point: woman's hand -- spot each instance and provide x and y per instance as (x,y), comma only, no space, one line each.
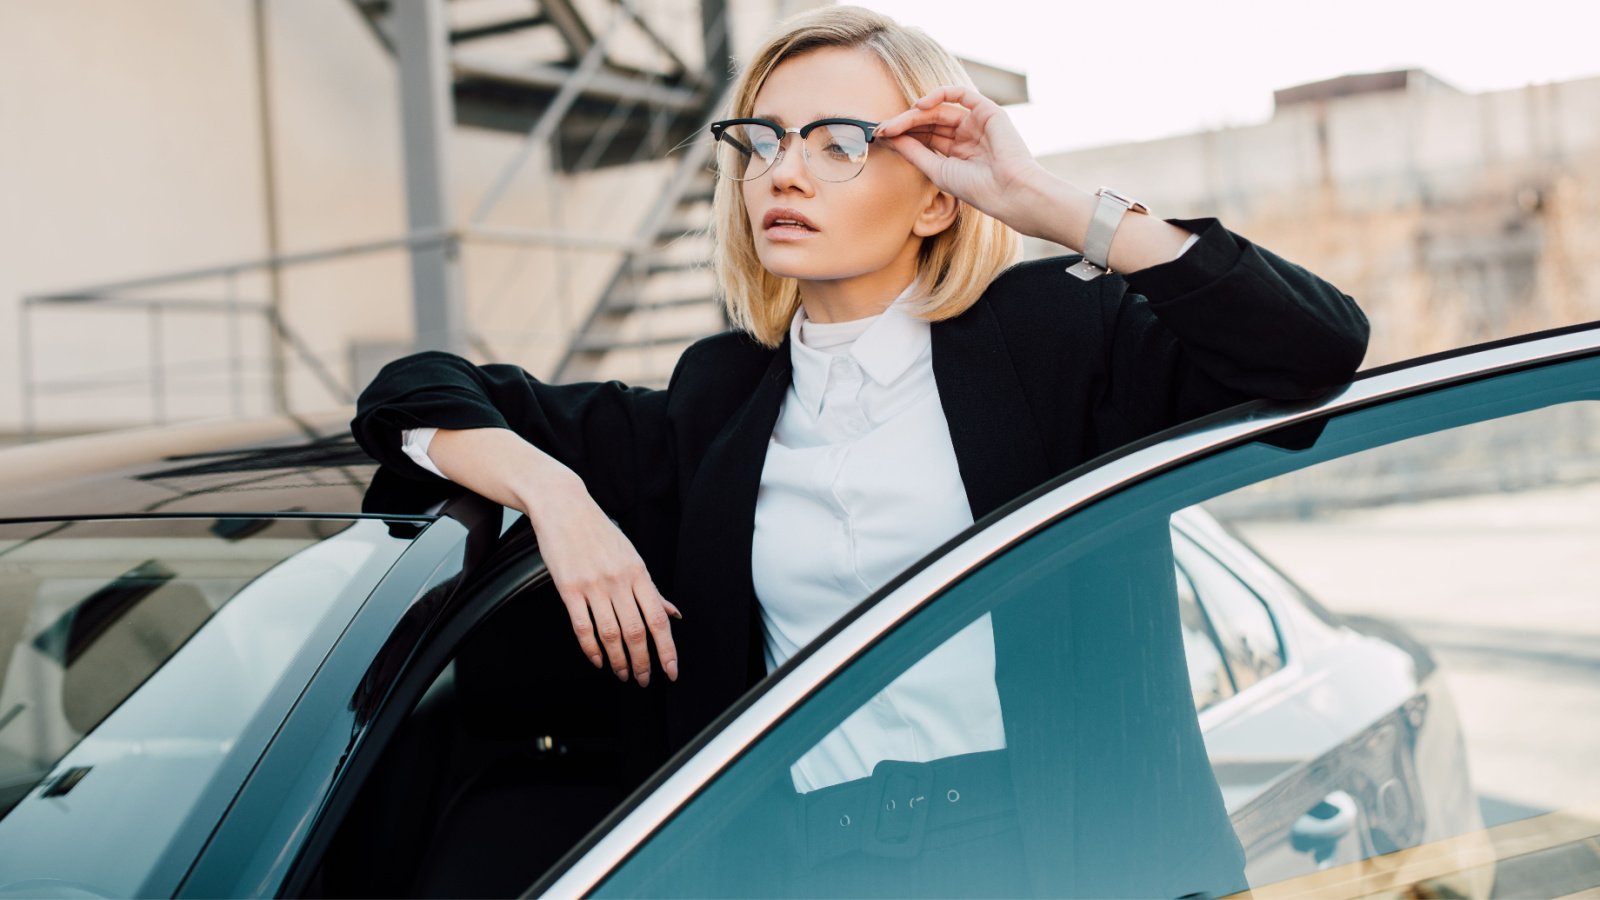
(966,145)
(609,596)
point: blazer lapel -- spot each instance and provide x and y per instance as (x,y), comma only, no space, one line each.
(999,450)
(718,646)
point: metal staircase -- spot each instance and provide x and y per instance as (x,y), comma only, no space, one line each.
(511,61)
(661,298)
(539,68)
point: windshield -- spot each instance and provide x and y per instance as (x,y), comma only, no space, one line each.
(141,658)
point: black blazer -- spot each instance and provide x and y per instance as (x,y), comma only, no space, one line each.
(1043,373)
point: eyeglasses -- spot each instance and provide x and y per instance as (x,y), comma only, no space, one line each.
(834,149)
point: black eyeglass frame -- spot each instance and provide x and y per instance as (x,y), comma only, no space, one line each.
(719,132)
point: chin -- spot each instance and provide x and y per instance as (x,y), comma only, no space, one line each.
(808,264)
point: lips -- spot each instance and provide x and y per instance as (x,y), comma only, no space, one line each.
(783,217)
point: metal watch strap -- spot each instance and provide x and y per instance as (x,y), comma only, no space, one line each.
(1108,215)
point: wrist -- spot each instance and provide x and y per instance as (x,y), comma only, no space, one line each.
(1055,210)
(546,490)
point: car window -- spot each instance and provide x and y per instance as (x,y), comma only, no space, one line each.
(1100,780)
(1244,627)
(134,655)
(1209,678)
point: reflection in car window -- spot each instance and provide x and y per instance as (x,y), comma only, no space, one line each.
(1208,675)
(1090,672)
(1107,786)
(136,652)
(1244,627)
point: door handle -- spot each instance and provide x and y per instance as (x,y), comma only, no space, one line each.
(1319,830)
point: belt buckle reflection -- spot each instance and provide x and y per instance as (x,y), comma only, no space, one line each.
(899,819)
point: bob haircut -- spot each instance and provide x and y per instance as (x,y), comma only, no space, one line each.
(954,267)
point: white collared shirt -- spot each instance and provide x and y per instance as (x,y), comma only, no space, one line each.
(860,481)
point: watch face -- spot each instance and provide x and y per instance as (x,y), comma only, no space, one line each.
(1124,199)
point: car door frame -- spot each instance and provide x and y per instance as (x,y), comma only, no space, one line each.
(722,743)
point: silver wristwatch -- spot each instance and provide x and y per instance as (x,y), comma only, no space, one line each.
(1108,215)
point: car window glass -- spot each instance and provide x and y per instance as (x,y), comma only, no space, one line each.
(1208,674)
(1104,781)
(1243,625)
(136,653)
(1458,569)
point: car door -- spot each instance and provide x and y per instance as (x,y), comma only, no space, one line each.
(1110,787)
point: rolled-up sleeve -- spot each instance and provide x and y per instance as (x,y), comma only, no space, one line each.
(615,437)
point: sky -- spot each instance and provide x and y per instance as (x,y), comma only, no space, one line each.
(1125,71)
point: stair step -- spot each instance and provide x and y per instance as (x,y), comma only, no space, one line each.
(677,231)
(593,344)
(663,266)
(697,194)
(623,304)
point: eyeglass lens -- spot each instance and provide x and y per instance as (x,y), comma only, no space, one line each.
(834,152)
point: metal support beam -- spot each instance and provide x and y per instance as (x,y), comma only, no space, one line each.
(718,45)
(574,30)
(278,376)
(427,116)
(602,85)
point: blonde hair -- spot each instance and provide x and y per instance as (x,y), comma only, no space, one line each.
(953,267)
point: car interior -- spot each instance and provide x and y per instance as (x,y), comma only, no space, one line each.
(499,769)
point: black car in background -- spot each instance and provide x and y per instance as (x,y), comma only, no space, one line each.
(239,659)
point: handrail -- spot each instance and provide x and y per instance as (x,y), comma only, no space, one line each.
(423,238)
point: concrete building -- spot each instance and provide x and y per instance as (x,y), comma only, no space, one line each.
(1452,217)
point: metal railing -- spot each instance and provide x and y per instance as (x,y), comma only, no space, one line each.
(234,309)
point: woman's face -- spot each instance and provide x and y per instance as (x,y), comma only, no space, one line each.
(865,227)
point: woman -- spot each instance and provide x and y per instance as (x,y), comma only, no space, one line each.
(893,376)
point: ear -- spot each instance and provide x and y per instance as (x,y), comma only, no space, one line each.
(938,213)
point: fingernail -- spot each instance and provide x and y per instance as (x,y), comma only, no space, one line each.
(644,680)
(676,615)
(622,674)
(595,659)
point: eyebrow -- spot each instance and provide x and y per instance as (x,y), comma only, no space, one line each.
(835,115)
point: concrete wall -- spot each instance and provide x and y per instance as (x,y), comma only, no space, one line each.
(1452,217)
(132,143)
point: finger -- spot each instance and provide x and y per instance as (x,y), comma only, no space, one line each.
(672,610)
(953,93)
(900,123)
(583,627)
(926,161)
(654,607)
(926,134)
(605,622)
(940,144)
(634,633)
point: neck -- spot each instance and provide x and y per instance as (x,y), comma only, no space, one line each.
(858,296)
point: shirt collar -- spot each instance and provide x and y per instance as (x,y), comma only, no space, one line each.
(884,351)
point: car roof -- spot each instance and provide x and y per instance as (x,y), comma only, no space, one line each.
(264,466)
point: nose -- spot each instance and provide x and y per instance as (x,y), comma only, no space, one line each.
(788,171)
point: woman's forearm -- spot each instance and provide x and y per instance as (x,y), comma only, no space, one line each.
(499,464)
(1060,212)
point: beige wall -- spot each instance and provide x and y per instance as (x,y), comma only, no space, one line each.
(1452,217)
(131,144)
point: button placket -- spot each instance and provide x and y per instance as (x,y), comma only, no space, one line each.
(851,418)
